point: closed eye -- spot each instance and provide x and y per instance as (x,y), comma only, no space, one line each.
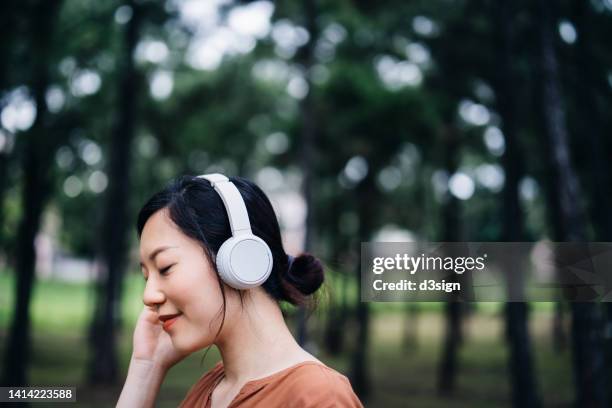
(166,269)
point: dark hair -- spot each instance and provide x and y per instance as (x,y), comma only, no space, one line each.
(196,208)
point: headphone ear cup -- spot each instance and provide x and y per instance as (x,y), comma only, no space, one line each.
(223,264)
(244,262)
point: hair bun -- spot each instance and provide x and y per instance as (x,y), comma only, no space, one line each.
(303,277)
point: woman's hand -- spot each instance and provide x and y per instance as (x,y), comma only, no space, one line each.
(152,357)
(152,343)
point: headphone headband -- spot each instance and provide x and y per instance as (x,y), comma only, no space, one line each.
(233,202)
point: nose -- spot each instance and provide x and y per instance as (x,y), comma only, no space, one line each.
(153,295)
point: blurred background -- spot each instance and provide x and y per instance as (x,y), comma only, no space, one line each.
(439,120)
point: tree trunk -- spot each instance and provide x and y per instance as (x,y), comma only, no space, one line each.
(590,123)
(590,126)
(410,337)
(334,327)
(587,341)
(308,139)
(524,387)
(550,184)
(447,369)
(4,165)
(37,160)
(366,199)
(591,132)
(103,365)
(40,145)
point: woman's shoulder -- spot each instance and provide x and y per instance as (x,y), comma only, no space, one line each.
(315,372)
(304,384)
(312,383)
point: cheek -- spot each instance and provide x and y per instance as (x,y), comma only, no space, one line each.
(195,290)
(204,309)
(199,327)
(201,303)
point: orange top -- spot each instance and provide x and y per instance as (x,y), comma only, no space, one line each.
(306,384)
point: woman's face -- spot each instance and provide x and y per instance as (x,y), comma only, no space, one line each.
(180,284)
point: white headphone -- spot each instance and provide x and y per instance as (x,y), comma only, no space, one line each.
(244,261)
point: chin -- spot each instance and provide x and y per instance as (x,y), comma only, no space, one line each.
(185,344)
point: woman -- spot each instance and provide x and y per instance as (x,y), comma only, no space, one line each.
(199,293)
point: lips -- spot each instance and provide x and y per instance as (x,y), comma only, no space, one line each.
(169,319)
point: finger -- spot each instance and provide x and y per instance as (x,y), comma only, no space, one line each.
(150,315)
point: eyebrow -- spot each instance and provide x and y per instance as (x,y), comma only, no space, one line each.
(157,252)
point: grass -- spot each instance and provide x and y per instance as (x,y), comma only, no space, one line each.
(401,375)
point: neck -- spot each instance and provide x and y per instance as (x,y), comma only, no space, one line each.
(257,342)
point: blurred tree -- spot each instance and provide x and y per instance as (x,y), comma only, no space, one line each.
(308,135)
(522,375)
(308,140)
(453,337)
(587,339)
(337,309)
(587,83)
(36,165)
(12,16)
(103,368)
(450,84)
(366,196)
